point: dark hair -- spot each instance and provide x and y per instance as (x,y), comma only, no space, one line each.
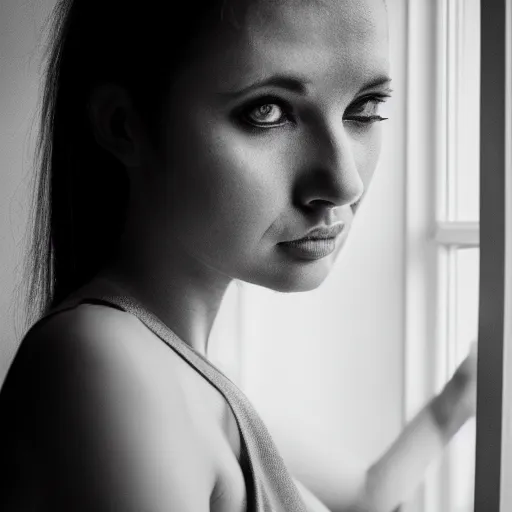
(80,194)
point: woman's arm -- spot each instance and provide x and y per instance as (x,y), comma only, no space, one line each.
(397,474)
(392,479)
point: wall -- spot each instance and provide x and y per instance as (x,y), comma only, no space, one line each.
(20,55)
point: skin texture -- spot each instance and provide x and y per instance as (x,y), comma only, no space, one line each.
(214,205)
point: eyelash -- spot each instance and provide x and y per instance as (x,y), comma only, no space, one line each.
(284,106)
(287,110)
(375,99)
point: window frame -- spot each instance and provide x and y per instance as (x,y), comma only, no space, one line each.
(506,444)
(431,237)
(494,384)
(494,410)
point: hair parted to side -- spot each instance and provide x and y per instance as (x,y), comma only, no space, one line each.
(80,191)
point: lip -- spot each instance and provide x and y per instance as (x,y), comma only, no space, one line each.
(317,244)
(321,233)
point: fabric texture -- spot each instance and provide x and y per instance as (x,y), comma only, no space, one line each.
(270,487)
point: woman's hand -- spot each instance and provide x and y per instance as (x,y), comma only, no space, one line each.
(457,401)
(465,379)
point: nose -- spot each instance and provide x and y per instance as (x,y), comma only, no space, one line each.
(328,177)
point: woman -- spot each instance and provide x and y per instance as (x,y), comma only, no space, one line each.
(233,140)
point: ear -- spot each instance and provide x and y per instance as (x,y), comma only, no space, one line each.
(115,123)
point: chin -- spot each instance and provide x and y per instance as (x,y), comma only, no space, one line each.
(294,278)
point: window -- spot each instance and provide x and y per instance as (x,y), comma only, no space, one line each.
(457,227)
(442,226)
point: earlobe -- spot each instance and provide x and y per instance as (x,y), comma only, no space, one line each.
(115,124)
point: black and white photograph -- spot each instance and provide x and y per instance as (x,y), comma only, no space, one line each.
(256,256)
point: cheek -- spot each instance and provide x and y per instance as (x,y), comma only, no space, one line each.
(366,154)
(226,187)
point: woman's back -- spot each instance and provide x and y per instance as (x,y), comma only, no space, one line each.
(111,419)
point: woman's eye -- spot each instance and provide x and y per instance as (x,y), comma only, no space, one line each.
(366,111)
(265,114)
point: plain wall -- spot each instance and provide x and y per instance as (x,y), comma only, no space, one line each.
(20,62)
(324,368)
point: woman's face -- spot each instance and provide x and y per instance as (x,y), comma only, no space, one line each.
(273,132)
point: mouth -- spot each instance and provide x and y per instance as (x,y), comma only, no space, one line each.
(321,233)
(317,244)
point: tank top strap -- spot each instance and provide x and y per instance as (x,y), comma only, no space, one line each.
(272,485)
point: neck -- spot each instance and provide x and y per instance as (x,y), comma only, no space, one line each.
(182,292)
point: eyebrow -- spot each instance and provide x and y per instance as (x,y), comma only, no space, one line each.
(377,82)
(290,83)
(297,85)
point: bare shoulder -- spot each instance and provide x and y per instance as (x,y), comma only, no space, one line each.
(105,437)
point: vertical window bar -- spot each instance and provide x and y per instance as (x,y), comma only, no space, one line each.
(442,186)
(492,257)
(452,89)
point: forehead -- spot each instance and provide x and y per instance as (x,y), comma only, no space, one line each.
(322,40)
(331,21)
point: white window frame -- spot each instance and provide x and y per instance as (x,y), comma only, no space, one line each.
(425,234)
(433,28)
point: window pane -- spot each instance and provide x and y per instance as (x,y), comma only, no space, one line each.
(462,448)
(464,112)
(467,269)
